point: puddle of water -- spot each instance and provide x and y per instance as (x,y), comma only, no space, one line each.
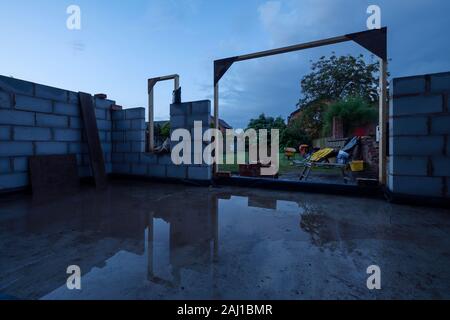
(149,241)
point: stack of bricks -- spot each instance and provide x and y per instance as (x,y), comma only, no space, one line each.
(41,120)
(129,143)
(419,137)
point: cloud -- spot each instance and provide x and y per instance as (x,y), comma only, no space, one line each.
(291,20)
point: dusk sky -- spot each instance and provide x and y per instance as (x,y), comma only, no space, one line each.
(123,43)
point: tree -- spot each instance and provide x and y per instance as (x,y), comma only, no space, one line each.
(336,78)
(294,135)
(353,111)
(263,122)
(269,123)
(311,118)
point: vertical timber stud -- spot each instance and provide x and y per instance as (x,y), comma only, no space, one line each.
(151,122)
(216,124)
(383,123)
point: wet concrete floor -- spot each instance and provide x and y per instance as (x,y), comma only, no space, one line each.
(141,240)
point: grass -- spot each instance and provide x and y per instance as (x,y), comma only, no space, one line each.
(285,165)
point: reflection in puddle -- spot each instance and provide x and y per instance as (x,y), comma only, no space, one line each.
(173,242)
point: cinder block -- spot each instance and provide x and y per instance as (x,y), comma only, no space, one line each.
(414,145)
(32,134)
(50,148)
(148,158)
(201,107)
(409,85)
(5,100)
(67,109)
(177,172)
(137,135)
(137,146)
(50,120)
(100,113)
(75,123)
(16,85)
(20,164)
(73,97)
(79,159)
(52,93)
(13,180)
(5,165)
(103,103)
(118,157)
(5,133)
(139,169)
(420,186)
(68,135)
(417,125)
(78,147)
(14,117)
(108,168)
(33,104)
(440,82)
(121,168)
(158,171)
(182,109)
(408,165)
(417,105)
(135,113)
(118,115)
(122,125)
(84,171)
(200,173)
(164,159)
(104,125)
(440,124)
(118,136)
(138,124)
(14,149)
(203,118)
(441,166)
(86,160)
(102,135)
(107,147)
(132,157)
(122,147)
(177,122)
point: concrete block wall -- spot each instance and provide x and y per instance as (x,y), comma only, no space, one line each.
(41,120)
(128,138)
(419,137)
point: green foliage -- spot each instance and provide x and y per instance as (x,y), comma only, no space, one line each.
(354,112)
(165,130)
(311,118)
(269,123)
(336,78)
(263,122)
(294,135)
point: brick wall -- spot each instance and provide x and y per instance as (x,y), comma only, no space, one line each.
(41,120)
(419,137)
(128,139)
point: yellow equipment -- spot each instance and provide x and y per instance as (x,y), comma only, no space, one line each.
(321,154)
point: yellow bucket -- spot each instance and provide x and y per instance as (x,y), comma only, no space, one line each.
(357,165)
